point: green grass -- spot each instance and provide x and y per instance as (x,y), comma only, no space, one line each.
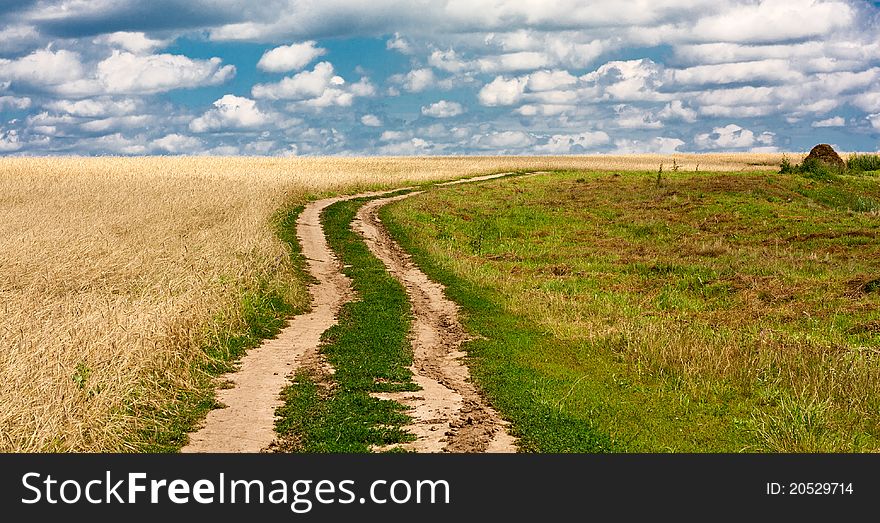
(369,351)
(260,313)
(864,163)
(718,312)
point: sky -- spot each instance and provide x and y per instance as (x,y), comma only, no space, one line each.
(343,77)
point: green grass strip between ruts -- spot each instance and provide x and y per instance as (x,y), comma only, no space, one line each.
(369,351)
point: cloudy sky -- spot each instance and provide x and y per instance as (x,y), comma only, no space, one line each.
(343,77)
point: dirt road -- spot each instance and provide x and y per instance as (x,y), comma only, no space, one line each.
(247,423)
(448,414)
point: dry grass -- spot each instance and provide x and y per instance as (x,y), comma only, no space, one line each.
(112,270)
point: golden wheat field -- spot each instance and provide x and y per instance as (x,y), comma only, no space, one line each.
(111,270)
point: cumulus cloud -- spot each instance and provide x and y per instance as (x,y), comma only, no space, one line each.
(505,140)
(371,120)
(502,91)
(410,147)
(177,143)
(307,84)
(629,117)
(676,110)
(113,123)
(657,145)
(116,143)
(135,42)
(836,121)
(416,80)
(15,102)
(398,43)
(573,143)
(774,21)
(121,73)
(95,107)
(442,109)
(630,80)
(9,140)
(230,112)
(291,57)
(43,68)
(125,72)
(732,136)
(548,71)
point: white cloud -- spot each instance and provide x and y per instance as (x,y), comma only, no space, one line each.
(15,102)
(774,21)
(443,109)
(104,125)
(776,71)
(543,109)
(573,143)
(629,117)
(177,143)
(675,110)
(448,61)
(135,42)
(502,91)
(17,37)
(875,120)
(124,72)
(231,112)
(301,86)
(657,145)
(391,136)
(511,62)
(398,43)
(868,101)
(371,120)
(836,121)
(95,107)
(416,80)
(43,68)
(505,140)
(409,147)
(9,140)
(550,80)
(291,57)
(631,80)
(732,136)
(116,143)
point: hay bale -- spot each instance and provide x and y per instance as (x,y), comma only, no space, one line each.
(826,154)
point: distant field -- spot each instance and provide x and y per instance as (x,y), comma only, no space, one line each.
(118,274)
(697,312)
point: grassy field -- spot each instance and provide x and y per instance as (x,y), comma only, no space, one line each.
(126,283)
(690,312)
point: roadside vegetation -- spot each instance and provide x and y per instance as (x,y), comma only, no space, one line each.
(369,351)
(127,283)
(683,312)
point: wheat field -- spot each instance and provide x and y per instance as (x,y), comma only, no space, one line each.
(112,269)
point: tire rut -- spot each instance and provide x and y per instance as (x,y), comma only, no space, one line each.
(449,413)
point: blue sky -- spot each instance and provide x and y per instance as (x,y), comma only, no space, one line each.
(342,77)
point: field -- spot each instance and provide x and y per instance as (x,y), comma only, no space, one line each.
(127,283)
(687,312)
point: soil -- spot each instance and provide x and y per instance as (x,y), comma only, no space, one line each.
(449,413)
(247,423)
